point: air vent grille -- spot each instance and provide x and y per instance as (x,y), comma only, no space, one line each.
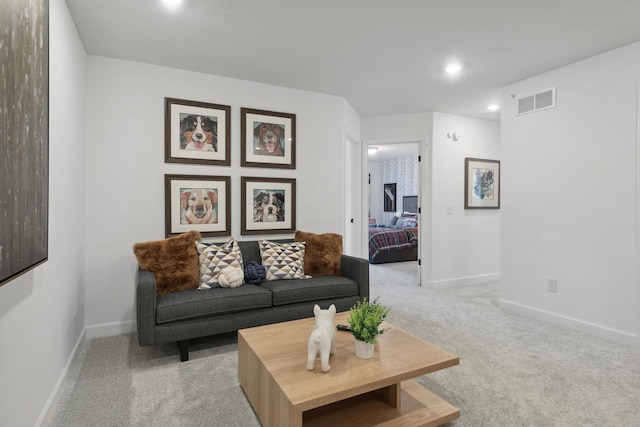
(539,101)
(526,105)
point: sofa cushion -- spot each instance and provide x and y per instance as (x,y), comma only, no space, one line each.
(282,261)
(316,289)
(196,303)
(323,253)
(214,259)
(173,261)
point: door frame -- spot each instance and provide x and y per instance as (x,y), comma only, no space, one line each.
(425,249)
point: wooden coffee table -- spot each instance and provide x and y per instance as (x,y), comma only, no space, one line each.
(355,392)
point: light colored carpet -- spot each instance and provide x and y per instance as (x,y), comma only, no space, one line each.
(514,371)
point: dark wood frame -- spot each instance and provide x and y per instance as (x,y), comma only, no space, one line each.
(205,229)
(247,203)
(24,167)
(171,128)
(248,158)
(469,201)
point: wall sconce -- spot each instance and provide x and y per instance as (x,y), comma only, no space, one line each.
(454,136)
(372,150)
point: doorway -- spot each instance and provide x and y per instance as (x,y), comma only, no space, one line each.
(395,178)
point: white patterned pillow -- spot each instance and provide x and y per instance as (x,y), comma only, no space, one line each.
(282,261)
(214,258)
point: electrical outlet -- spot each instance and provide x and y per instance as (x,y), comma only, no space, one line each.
(448,209)
(552,284)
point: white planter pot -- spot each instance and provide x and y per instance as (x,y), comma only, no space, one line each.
(364,350)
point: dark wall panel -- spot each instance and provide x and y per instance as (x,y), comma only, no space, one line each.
(24,136)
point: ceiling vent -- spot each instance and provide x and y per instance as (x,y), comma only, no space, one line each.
(539,101)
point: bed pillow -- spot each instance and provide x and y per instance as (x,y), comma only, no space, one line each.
(282,261)
(214,259)
(323,255)
(410,223)
(173,261)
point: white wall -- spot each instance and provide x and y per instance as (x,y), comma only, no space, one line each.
(125,159)
(463,247)
(42,312)
(570,197)
(466,243)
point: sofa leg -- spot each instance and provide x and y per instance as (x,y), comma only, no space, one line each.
(183,346)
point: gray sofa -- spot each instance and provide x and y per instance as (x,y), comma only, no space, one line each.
(185,315)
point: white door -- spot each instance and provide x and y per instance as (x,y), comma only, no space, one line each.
(353,198)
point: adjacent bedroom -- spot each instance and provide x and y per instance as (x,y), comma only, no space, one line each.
(394,220)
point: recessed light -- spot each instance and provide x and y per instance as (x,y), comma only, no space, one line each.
(453,68)
(172,2)
(493,107)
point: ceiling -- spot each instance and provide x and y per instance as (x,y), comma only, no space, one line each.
(382,56)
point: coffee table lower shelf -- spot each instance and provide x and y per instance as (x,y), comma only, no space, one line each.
(419,407)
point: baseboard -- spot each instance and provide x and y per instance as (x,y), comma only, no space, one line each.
(97,331)
(50,406)
(110,329)
(611,334)
(464,281)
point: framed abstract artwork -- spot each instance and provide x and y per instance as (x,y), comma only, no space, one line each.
(389,197)
(481,184)
(268,205)
(268,139)
(24,136)
(197,132)
(197,202)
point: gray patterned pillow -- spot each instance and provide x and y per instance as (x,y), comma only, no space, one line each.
(214,258)
(282,261)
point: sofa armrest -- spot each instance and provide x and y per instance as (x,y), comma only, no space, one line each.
(357,269)
(146,307)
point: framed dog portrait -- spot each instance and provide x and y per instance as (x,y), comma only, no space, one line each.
(481,184)
(268,139)
(268,205)
(197,202)
(197,132)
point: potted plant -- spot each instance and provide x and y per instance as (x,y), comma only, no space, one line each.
(364,320)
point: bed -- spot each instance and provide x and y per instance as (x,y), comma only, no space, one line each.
(398,240)
(395,244)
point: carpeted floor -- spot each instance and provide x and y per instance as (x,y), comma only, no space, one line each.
(514,371)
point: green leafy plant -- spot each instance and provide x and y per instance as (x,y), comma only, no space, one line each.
(365,318)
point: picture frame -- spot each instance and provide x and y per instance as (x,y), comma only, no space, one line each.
(190,205)
(197,132)
(268,205)
(389,197)
(24,168)
(481,183)
(268,139)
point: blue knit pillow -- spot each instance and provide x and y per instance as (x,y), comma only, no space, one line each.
(254,273)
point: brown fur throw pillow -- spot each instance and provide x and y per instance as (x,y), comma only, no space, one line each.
(174,261)
(322,257)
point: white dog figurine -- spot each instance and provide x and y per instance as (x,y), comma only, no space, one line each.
(322,339)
